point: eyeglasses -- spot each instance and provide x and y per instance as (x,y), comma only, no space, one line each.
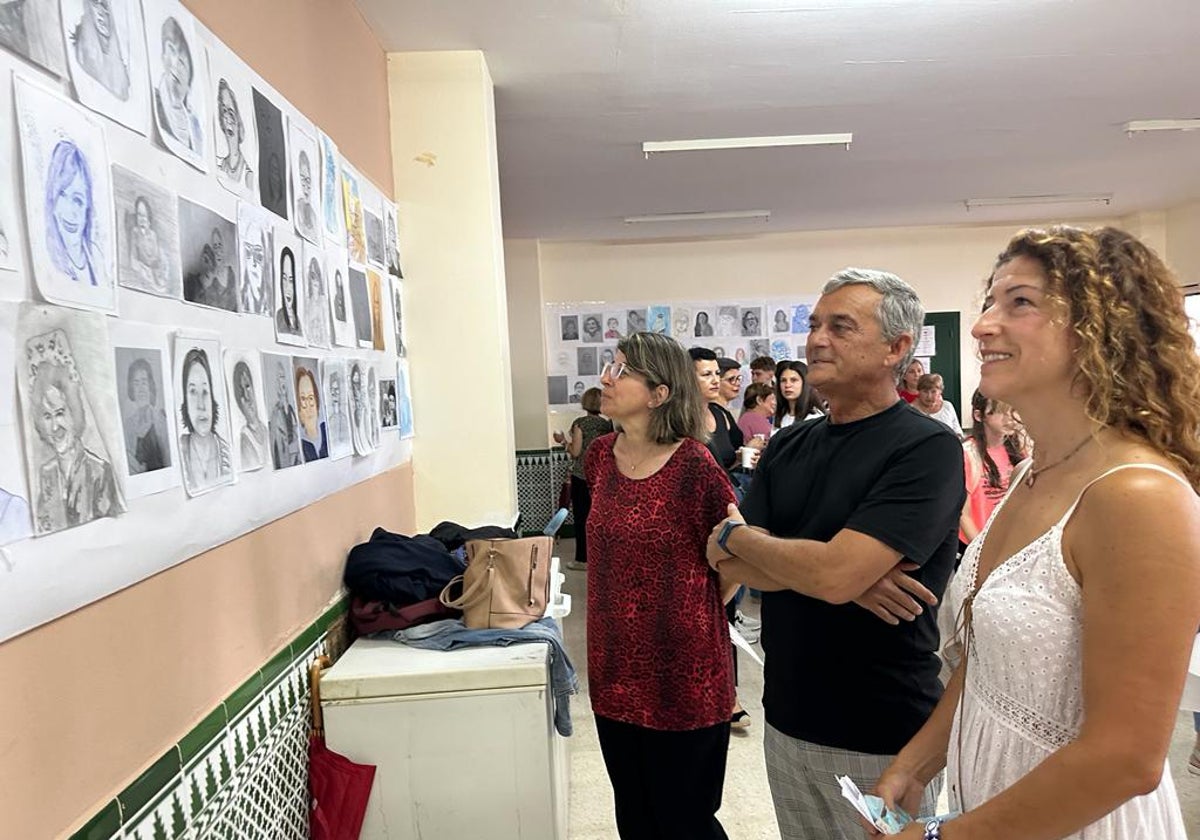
(614,370)
(733,380)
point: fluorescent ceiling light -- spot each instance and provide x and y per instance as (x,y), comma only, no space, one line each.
(1137,126)
(1022,200)
(705,216)
(653,146)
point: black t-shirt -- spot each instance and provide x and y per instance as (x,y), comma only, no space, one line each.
(727,439)
(837,675)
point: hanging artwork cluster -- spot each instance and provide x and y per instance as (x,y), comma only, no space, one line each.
(154,357)
(581,338)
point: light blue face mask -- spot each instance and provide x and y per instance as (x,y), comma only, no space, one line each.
(873,809)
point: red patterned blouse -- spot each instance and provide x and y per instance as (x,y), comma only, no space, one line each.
(658,640)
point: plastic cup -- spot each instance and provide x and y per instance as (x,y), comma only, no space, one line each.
(747,457)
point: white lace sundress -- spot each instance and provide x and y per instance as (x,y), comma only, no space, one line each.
(1023,697)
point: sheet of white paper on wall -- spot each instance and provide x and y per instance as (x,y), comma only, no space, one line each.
(302,149)
(16,522)
(33,30)
(397,307)
(8,363)
(272,154)
(340,306)
(208,254)
(391,239)
(145,399)
(251,444)
(68,408)
(179,76)
(280,392)
(333,220)
(360,411)
(10,238)
(388,420)
(927,346)
(235,137)
(147,223)
(337,409)
(360,305)
(68,200)
(289,302)
(256,260)
(316,297)
(352,206)
(373,403)
(106,52)
(373,224)
(202,415)
(404,394)
(310,409)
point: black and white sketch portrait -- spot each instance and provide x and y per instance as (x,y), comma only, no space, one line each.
(586,361)
(704,324)
(607,356)
(751,321)
(352,206)
(147,235)
(339,298)
(282,421)
(106,51)
(635,321)
(256,274)
(556,390)
(727,321)
(68,200)
(569,330)
(251,438)
(289,296)
(235,144)
(781,322)
(758,347)
(180,78)
(398,315)
(69,413)
(337,409)
(203,415)
(302,147)
(207,250)
(592,332)
(375,289)
(391,240)
(316,303)
(143,410)
(33,30)
(314,439)
(360,306)
(374,228)
(360,411)
(272,155)
(372,406)
(388,418)
(332,221)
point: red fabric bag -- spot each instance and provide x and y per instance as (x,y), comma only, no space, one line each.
(338,787)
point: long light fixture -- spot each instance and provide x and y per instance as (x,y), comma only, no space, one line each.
(706,216)
(651,147)
(1138,126)
(1022,200)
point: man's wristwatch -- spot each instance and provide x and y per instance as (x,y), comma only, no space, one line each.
(726,530)
(933,830)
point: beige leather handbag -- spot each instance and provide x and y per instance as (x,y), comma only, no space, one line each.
(506,585)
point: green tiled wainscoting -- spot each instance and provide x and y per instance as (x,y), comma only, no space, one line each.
(241,773)
(540,474)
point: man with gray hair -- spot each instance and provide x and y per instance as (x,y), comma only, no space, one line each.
(851,519)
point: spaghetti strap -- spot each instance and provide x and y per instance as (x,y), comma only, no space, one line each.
(1062,523)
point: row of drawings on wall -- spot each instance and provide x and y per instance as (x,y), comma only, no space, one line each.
(220,298)
(582,338)
(106,421)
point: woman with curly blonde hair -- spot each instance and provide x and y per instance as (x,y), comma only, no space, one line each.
(1081,594)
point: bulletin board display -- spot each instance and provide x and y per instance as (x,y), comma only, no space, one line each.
(201,304)
(582,337)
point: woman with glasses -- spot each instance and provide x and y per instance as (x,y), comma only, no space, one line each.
(659,670)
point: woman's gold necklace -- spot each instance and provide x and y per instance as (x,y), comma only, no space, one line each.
(1035,471)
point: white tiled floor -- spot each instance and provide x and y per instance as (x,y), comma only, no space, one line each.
(746,811)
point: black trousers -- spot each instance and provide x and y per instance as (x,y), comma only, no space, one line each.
(666,785)
(581,506)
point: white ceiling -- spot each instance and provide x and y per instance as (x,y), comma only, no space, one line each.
(947,100)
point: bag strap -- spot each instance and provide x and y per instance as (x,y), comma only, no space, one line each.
(472,596)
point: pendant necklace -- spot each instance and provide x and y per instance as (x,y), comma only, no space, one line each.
(1034,471)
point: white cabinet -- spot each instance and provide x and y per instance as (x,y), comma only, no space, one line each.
(464,740)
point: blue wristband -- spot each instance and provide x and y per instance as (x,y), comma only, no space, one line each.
(723,537)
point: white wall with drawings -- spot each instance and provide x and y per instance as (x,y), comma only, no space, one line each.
(183,161)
